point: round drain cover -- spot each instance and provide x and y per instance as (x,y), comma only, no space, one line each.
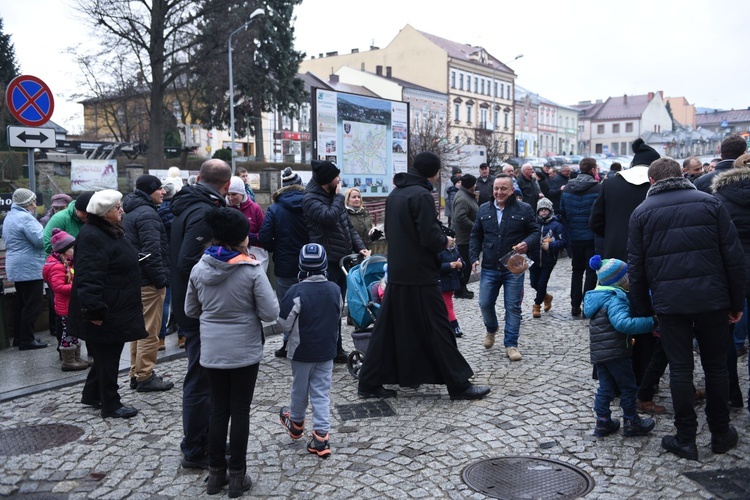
(527,477)
(34,438)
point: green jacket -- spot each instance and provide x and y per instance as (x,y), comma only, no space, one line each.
(65,220)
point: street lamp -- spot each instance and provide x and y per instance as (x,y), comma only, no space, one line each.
(256,13)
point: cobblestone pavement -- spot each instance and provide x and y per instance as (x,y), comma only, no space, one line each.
(539,407)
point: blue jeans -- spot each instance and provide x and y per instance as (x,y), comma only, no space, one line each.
(282,286)
(614,374)
(313,380)
(196,402)
(490,282)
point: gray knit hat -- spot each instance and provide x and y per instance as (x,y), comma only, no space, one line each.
(23,197)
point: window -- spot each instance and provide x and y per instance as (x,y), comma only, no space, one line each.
(598,149)
(286,122)
(624,148)
(506,120)
(495,89)
(453,79)
(476,85)
(304,119)
(483,118)
(457,112)
(600,130)
(494,120)
(482,85)
(615,148)
(469,114)
(461,81)
(615,130)
(502,91)
(567,124)
(628,127)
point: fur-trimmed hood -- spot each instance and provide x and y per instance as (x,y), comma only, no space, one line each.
(286,189)
(669,184)
(733,184)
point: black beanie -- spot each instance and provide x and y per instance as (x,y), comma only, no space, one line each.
(228,225)
(427,164)
(468,181)
(83,201)
(644,154)
(324,171)
(148,183)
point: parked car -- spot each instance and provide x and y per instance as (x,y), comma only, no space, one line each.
(574,159)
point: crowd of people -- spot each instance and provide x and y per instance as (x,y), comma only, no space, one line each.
(660,259)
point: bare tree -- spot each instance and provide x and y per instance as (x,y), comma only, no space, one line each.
(432,134)
(152,33)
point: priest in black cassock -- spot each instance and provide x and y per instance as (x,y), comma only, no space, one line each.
(412,342)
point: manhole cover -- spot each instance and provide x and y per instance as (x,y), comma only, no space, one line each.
(34,438)
(724,483)
(372,409)
(527,477)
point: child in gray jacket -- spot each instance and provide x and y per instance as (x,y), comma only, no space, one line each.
(311,311)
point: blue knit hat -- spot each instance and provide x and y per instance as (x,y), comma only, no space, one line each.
(609,272)
(313,259)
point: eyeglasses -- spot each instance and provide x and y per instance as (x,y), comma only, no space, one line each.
(117,207)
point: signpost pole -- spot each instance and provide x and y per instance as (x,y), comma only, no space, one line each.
(32,174)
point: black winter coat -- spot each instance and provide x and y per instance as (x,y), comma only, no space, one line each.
(484,188)
(450,279)
(284,231)
(191,234)
(328,223)
(703,183)
(611,213)
(493,241)
(106,287)
(683,247)
(414,235)
(732,188)
(145,231)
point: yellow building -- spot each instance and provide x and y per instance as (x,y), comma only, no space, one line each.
(479,87)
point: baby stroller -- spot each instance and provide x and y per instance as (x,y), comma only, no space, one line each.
(363,310)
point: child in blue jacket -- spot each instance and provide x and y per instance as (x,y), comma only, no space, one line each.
(450,282)
(611,350)
(553,240)
(311,312)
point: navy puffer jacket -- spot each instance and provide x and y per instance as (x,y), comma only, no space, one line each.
(683,247)
(284,231)
(732,188)
(576,204)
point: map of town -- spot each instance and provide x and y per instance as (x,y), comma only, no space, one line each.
(364,148)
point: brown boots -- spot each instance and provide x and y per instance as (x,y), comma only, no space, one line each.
(69,361)
(547,302)
(536,311)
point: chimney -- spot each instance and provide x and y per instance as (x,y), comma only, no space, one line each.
(650,96)
(379,70)
(320,56)
(330,54)
(354,51)
(373,47)
(388,72)
(333,78)
(625,99)
(598,101)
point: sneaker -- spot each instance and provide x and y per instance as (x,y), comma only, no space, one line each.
(458,332)
(547,302)
(319,445)
(295,431)
(489,340)
(513,354)
(153,384)
(181,342)
(606,427)
(162,345)
(637,426)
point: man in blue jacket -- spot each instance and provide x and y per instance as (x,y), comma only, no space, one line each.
(575,209)
(501,226)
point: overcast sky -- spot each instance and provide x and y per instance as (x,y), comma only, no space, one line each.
(572,50)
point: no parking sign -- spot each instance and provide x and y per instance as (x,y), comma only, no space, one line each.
(30,100)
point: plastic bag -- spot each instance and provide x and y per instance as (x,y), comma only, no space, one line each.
(516,262)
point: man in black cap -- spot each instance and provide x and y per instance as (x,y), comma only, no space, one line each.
(413,342)
(145,230)
(465,208)
(328,224)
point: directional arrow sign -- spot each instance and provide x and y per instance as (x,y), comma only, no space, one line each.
(29,137)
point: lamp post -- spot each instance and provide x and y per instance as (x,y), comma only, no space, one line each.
(256,13)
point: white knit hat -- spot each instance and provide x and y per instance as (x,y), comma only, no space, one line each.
(237,186)
(23,197)
(103,201)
